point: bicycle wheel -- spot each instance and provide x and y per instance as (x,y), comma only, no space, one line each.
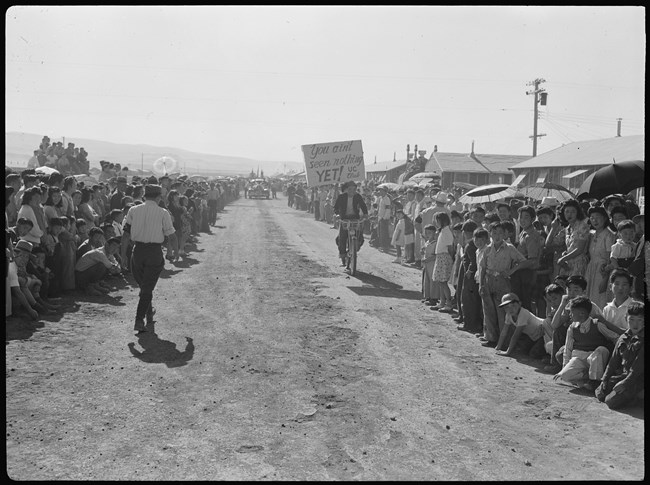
(353,256)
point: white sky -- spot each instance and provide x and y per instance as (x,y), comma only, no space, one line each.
(259,82)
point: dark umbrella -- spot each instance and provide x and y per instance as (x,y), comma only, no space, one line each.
(617,178)
(547,189)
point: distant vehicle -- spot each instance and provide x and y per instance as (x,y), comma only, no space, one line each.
(259,189)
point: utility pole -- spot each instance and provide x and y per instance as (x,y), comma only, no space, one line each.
(536,92)
(618,129)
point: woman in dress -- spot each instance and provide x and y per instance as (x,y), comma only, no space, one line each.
(573,260)
(176,211)
(53,206)
(601,239)
(85,209)
(444,261)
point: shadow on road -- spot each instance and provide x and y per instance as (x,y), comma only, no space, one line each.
(158,351)
(378,286)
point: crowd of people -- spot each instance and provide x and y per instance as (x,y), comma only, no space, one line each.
(562,282)
(68,160)
(64,236)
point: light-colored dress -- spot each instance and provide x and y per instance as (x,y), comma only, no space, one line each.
(599,249)
(578,231)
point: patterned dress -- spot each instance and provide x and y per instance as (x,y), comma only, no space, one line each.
(576,232)
(600,245)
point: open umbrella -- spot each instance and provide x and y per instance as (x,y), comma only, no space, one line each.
(617,178)
(464,185)
(198,178)
(86,179)
(388,185)
(424,175)
(46,170)
(487,193)
(547,189)
(410,183)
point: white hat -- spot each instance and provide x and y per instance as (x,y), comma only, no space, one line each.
(442,197)
(550,202)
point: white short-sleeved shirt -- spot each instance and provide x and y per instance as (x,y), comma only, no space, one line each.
(617,315)
(533,325)
(445,238)
(149,222)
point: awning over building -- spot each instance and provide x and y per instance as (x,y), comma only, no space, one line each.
(542,177)
(574,174)
(519,178)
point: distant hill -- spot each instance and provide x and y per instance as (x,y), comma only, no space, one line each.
(19,148)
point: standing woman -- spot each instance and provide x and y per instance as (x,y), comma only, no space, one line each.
(53,206)
(69,187)
(76,202)
(176,211)
(574,259)
(601,239)
(444,260)
(85,209)
(186,223)
(29,205)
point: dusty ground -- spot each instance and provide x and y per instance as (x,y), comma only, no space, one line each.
(267,362)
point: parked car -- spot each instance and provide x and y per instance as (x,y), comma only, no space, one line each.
(259,189)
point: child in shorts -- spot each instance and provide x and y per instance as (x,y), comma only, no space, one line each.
(622,381)
(623,250)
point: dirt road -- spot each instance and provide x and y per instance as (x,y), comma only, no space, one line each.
(268,362)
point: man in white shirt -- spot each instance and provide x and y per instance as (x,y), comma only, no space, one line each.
(383,218)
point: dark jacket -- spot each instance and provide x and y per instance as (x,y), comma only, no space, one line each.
(341,206)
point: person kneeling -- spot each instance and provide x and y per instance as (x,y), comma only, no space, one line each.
(622,381)
(586,348)
(528,330)
(94,265)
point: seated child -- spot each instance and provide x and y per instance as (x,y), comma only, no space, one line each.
(94,265)
(82,230)
(585,350)
(616,310)
(95,240)
(622,381)
(623,250)
(526,329)
(576,286)
(553,294)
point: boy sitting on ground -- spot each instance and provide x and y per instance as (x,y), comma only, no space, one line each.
(615,311)
(94,265)
(622,381)
(576,286)
(586,347)
(95,240)
(526,329)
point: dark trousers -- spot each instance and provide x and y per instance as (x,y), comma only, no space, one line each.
(290,199)
(147,262)
(212,208)
(615,400)
(459,291)
(342,241)
(384,236)
(522,282)
(471,303)
(91,275)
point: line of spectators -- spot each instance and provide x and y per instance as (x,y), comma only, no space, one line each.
(64,236)
(519,275)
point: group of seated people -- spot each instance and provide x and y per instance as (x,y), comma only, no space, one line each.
(68,160)
(62,236)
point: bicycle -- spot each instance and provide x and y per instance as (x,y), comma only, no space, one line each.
(353,226)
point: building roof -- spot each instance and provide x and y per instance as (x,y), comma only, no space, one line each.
(591,152)
(462,162)
(385,166)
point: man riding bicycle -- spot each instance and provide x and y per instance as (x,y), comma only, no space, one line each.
(348,205)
